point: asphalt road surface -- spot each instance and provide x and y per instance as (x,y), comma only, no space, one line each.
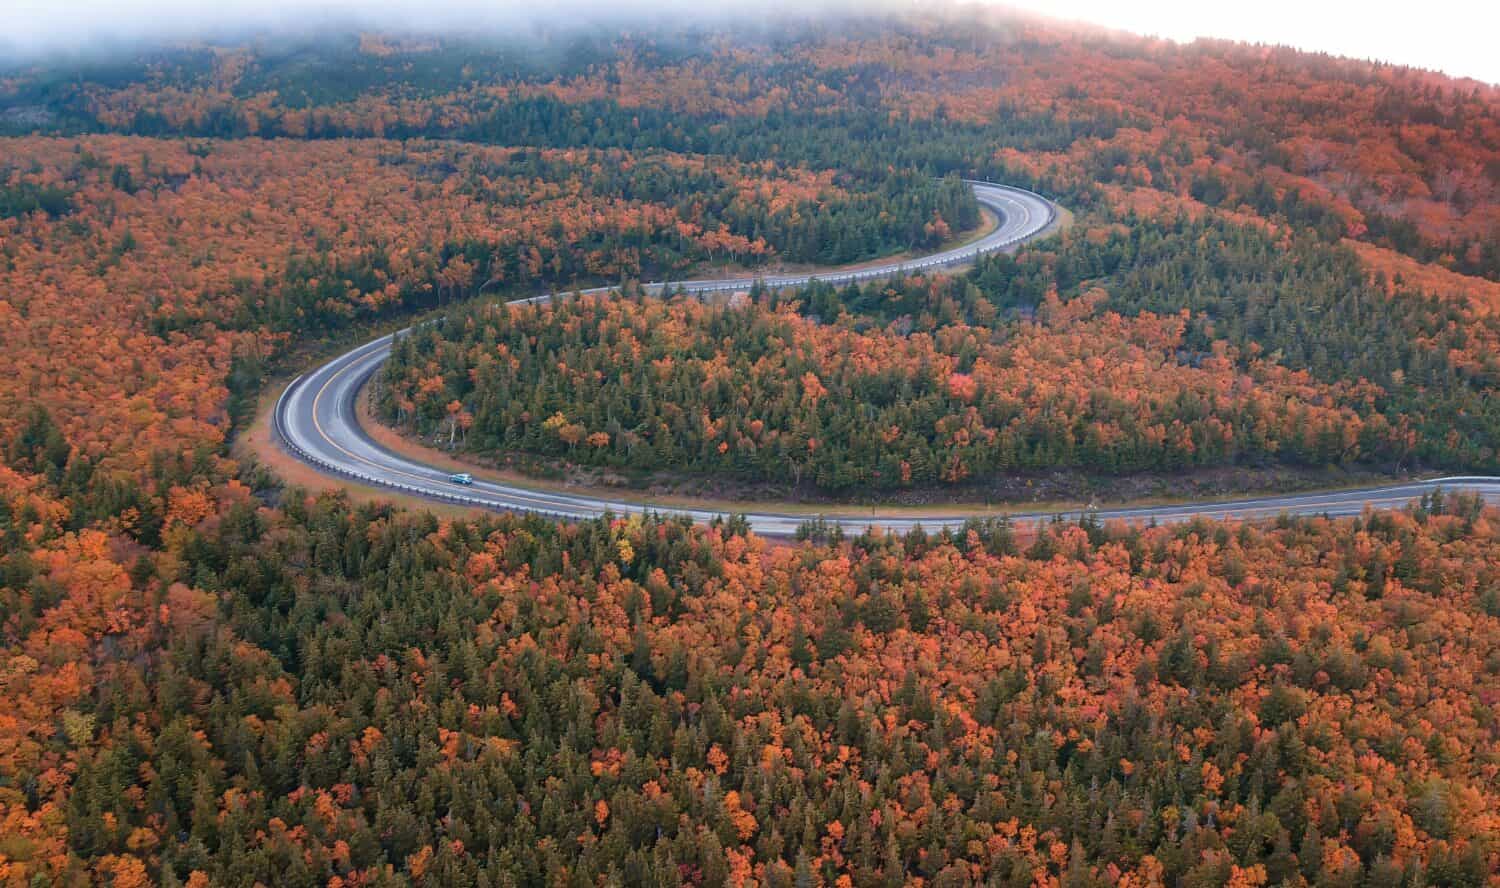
(315,420)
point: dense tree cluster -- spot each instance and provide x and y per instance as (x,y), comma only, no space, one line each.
(325,692)
(1421,339)
(759,393)
(498,219)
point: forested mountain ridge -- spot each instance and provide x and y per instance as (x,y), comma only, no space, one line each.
(1406,158)
(210,678)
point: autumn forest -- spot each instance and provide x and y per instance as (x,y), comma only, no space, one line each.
(221,668)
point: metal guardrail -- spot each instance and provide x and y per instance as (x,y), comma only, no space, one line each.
(286,442)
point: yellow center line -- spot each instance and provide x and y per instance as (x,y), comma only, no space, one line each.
(319,426)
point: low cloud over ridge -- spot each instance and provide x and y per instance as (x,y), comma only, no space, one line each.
(42,27)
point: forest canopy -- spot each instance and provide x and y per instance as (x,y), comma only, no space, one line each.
(212,676)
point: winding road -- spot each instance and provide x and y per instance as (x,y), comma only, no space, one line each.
(316,421)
